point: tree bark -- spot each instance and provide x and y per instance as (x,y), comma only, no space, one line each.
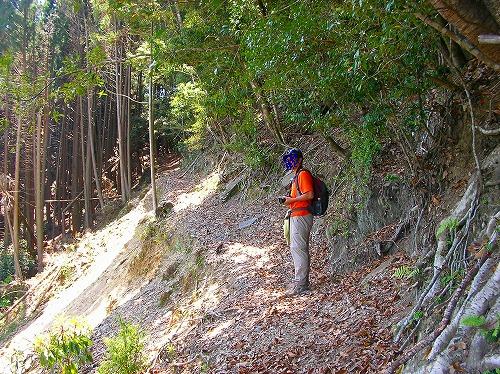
(471,18)
(151,127)
(15,239)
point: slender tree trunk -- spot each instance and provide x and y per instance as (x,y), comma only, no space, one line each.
(90,136)
(6,170)
(129,169)
(76,212)
(38,184)
(86,194)
(16,213)
(119,119)
(264,107)
(151,125)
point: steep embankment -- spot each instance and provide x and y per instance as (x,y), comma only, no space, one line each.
(206,282)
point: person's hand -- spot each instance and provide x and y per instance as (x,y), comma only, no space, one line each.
(288,200)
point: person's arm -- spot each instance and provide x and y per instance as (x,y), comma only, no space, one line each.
(307,196)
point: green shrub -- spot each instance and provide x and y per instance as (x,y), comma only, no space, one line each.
(65,347)
(26,262)
(124,354)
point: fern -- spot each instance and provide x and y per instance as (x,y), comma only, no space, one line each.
(449,224)
(406,272)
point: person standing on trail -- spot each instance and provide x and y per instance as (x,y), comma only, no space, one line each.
(301,220)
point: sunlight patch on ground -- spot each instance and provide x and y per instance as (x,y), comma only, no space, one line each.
(106,245)
(240,253)
(200,193)
(219,329)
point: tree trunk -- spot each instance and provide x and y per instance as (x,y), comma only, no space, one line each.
(91,145)
(267,116)
(471,18)
(125,192)
(15,239)
(151,130)
(38,182)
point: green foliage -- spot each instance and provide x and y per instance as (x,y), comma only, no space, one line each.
(492,371)
(339,227)
(450,224)
(124,352)
(491,333)
(27,263)
(66,347)
(453,277)
(406,272)
(418,315)
(392,178)
(474,321)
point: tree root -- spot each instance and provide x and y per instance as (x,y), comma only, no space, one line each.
(450,339)
(444,322)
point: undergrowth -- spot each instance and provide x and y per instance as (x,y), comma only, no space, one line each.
(125,351)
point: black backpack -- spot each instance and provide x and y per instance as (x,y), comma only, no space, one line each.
(319,203)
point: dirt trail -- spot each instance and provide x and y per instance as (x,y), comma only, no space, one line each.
(233,317)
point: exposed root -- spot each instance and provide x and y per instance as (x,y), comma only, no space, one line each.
(450,341)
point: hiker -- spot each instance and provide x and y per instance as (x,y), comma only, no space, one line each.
(301,219)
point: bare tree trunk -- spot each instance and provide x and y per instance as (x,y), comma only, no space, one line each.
(6,169)
(90,135)
(151,124)
(76,212)
(127,132)
(38,182)
(266,112)
(15,238)
(125,192)
(85,162)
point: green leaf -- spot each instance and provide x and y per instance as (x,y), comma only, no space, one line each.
(474,321)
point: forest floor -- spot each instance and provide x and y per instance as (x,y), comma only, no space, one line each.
(207,283)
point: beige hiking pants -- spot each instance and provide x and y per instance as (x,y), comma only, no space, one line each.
(300,228)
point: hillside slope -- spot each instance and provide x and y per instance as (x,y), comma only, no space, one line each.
(206,282)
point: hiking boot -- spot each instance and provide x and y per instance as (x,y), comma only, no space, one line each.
(296,290)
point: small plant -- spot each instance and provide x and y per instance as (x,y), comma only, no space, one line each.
(405,272)
(67,273)
(453,277)
(124,352)
(392,178)
(417,315)
(449,224)
(170,352)
(339,227)
(491,334)
(66,347)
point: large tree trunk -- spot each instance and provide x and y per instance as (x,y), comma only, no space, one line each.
(471,18)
